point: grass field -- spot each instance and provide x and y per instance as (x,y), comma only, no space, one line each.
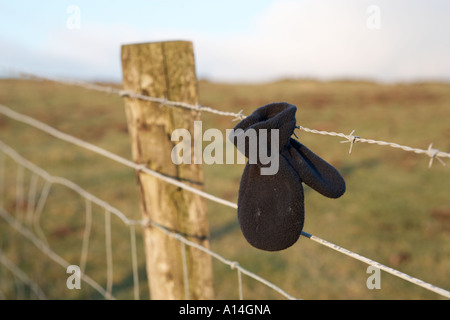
(395,210)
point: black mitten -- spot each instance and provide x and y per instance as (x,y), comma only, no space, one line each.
(271,201)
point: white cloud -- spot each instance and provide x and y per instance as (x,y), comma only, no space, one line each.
(325,39)
(328,39)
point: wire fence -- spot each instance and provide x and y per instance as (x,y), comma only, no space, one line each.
(432,153)
(38,238)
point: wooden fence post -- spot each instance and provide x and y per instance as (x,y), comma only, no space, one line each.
(167,70)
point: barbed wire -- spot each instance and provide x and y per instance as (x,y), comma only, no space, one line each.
(431,152)
(76,141)
(124,93)
(352,139)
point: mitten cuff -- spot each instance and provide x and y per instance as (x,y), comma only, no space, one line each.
(280,116)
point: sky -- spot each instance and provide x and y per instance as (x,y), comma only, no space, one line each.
(234,40)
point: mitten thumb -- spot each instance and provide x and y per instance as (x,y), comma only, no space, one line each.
(314,171)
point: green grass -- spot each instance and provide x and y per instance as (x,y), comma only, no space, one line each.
(395,210)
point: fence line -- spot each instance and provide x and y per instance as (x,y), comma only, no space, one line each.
(63,136)
(39,240)
(108,209)
(352,139)
(88,146)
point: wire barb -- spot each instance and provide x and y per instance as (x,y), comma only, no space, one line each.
(351,139)
(434,154)
(239,116)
